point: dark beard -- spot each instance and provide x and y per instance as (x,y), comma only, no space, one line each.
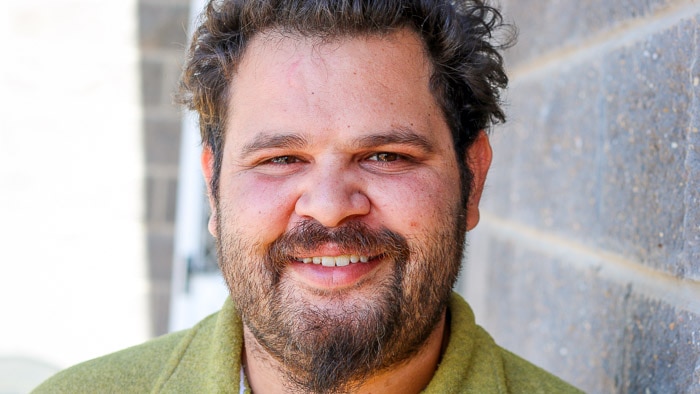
(337,349)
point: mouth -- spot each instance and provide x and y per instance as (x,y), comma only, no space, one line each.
(336,261)
(334,272)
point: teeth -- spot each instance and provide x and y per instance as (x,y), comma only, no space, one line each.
(335,261)
(342,261)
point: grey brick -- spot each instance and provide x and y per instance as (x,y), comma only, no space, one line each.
(171,200)
(162,140)
(662,347)
(151,187)
(163,25)
(597,334)
(160,256)
(648,100)
(552,144)
(691,234)
(160,307)
(151,82)
(547,26)
(161,194)
(635,114)
(171,80)
(510,141)
(566,321)
(162,34)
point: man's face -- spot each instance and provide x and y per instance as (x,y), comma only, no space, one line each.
(340,221)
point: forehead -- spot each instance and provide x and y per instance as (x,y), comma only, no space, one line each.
(296,83)
(273,44)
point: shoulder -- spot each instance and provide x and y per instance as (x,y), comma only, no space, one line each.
(134,369)
(473,362)
(205,358)
(524,377)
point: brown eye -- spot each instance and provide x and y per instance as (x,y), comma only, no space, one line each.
(384,157)
(283,160)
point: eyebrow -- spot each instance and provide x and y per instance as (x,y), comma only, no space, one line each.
(399,136)
(276,141)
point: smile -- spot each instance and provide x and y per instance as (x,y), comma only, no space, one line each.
(335,261)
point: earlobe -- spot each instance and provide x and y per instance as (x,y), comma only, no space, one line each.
(207,162)
(479,160)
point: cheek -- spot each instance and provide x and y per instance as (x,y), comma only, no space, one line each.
(412,205)
(248,202)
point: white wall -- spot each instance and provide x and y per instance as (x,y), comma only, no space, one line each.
(73,282)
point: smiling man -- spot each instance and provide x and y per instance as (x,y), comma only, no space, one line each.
(345,153)
(348,279)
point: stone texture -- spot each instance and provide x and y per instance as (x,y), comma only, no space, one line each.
(551,25)
(566,321)
(648,101)
(163,35)
(160,256)
(163,25)
(554,151)
(691,233)
(170,201)
(603,163)
(599,335)
(152,82)
(162,140)
(662,349)
(160,307)
(151,197)
(161,196)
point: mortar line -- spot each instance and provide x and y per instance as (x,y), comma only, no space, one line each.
(604,41)
(677,292)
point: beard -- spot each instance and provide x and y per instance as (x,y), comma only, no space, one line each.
(336,344)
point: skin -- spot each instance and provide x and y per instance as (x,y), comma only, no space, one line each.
(312,135)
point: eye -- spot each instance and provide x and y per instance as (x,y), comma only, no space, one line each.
(389,162)
(384,157)
(279,165)
(283,160)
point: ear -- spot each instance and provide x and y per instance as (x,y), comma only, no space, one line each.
(208,171)
(479,160)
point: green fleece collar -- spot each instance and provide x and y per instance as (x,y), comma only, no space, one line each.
(469,359)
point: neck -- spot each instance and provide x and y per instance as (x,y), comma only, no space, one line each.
(266,374)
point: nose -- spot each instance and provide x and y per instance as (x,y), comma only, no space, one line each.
(332,194)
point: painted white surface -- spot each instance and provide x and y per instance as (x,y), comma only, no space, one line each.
(72,239)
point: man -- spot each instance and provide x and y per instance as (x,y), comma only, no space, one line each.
(345,154)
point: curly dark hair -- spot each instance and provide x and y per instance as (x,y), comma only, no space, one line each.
(462,40)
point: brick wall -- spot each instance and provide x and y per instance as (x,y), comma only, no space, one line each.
(587,260)
(163,36)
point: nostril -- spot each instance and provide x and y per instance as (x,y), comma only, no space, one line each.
(331,206)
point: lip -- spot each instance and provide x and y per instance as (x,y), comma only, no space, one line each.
(316,276)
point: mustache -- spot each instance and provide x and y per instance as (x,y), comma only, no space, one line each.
(353,237)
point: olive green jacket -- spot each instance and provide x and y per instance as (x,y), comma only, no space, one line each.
(206,359)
